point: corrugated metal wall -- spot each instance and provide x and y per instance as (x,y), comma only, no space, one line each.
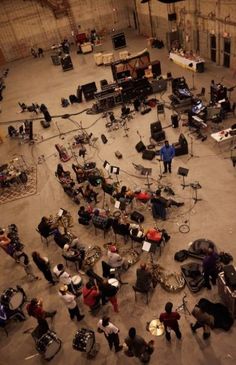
(25,24)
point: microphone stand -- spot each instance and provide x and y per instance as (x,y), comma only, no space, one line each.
(191,154)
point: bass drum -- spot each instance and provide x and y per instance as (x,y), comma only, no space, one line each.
(48,345)
(12,298)
(84,340)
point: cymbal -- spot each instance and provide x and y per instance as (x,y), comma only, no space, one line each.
(156,328)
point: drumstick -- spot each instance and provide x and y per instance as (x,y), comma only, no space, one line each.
(31,356)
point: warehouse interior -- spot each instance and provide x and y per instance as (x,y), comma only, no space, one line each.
(204,30)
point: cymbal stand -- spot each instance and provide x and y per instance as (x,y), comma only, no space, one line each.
(191,154)
(160,170)
(183,307)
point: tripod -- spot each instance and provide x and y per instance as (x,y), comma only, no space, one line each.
(183,306)
(191,154)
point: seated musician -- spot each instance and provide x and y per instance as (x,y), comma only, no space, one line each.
(115,260)
(46,227)
(124,110)
(79,172)
(136,232)
(73,254)
(120,227)
(125,195)
(159,205)
(156,235)
(101,221)
(143,278)
(85,216)
(90,194)
(143,196)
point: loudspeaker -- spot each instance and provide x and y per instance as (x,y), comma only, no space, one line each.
(159,136)
(155,127)
(66,63)
(148,155)
(175,120)
(118,40)
(89,90)
(172,17)
(104,138)
(140,147)
(182,171)
(156,67)
(160,108)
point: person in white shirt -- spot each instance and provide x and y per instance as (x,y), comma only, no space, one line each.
(70,301)
(115,260)
(63,276)
(110,332)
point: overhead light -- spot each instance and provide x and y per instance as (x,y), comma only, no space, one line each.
(169,1)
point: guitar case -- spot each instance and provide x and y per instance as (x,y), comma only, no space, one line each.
(193,276)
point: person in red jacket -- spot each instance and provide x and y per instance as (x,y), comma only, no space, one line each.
(170,320)
(91,295)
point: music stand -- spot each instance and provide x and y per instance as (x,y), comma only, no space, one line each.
(182,171)
(116,171)
(196,186)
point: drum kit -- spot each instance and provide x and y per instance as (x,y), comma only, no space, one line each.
(84,341)
(13,299)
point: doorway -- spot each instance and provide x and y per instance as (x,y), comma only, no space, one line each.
(227,50)
(213,47)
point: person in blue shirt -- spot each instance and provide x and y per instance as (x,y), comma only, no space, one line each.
(167,153)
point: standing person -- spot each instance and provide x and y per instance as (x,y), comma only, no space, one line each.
(203,320)
(91,295)
(110,332)
(144,278)
(170,320)
(40,52)
(25,263)
(210,269)
(64,277)
(109,292)
(167,153)
(43,265)
(137,346)
(35,309)
(70,301)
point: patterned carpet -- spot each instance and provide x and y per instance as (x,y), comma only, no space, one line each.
(18,191)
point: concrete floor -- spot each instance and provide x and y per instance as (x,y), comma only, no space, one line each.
(39,81)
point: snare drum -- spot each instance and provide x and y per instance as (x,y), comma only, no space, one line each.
(48,345)
(76,282)
(84,340)
(12,298)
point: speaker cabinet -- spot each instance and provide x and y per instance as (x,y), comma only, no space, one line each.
(155,127)
(140,147)
(119,41)
(175,120)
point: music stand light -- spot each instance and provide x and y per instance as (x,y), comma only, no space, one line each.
(182,171)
